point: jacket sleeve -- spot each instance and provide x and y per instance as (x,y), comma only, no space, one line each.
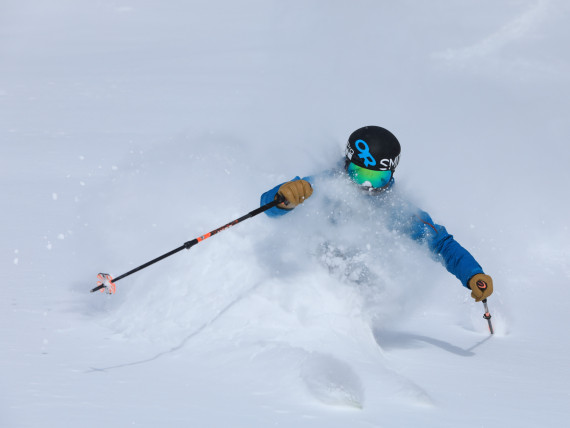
(269,196)
(456,259)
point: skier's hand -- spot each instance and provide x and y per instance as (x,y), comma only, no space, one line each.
(481,286)
(295,193)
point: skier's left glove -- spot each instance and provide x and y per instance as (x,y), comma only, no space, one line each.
(481,286)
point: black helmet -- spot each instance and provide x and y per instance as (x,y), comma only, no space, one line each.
(372,155)
(373,147)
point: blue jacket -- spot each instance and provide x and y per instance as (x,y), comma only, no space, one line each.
(415,223)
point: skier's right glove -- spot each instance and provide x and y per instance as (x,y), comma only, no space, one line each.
(295,192)
(481,286)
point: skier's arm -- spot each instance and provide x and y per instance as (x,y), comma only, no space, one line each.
(456,259)
(295,192)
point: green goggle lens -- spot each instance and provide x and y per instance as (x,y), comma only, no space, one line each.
(367,177)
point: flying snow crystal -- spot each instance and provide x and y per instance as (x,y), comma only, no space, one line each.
(61,236)
(54,196)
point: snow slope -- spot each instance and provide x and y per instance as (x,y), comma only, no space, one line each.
(129,127)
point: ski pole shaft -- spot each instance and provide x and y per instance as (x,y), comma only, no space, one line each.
(487,316)
(190,244)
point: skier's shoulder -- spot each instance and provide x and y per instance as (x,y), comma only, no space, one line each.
(405,209)
(398,199)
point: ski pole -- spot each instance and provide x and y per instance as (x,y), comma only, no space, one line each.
(487,315)
(107,283)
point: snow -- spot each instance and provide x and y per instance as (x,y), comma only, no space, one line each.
(128,128)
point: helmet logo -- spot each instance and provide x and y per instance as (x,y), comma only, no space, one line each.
(390,164)
(364,150)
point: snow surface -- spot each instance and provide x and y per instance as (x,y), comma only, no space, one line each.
(129,127)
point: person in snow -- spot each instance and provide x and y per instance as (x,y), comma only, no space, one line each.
(372,155)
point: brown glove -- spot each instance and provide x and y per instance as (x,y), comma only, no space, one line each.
(295,193)
(481,286)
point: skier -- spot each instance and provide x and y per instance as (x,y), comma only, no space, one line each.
(372,155)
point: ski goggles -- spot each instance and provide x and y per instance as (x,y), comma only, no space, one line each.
(368,177)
